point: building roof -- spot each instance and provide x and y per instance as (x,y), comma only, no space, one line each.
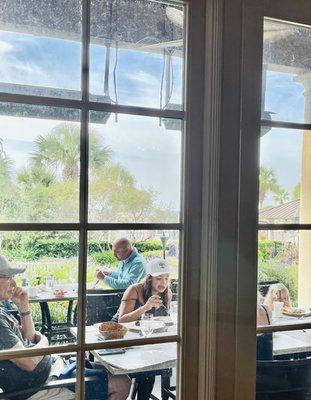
(284,212)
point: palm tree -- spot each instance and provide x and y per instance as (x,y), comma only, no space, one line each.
(6,166)
(296,192)
(281,196)
(267,183)
(60,151)
(36,175)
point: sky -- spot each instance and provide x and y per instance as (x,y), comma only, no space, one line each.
(141,144)
(281,149)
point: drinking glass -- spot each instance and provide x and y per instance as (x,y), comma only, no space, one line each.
(49,282)
(146,324)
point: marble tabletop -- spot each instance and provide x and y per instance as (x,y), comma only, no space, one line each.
(134,359)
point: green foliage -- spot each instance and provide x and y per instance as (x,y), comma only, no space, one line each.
(268,249)
(104,258)
(286,274)
(34,246)
(152,254)
(148,245)
(268,184)
(296,192)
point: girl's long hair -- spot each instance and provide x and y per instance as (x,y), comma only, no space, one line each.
(147,291)
(272,293)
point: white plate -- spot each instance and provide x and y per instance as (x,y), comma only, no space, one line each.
(166,319)
(156,325)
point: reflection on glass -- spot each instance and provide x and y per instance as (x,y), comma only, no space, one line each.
(284,176)
(135,170)
(44,257)
(136,53)
(39,163)
(41,51)
(286,72)
(132,261)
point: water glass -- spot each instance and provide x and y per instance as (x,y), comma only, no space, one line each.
(278,309)
(146,324)
(49,282)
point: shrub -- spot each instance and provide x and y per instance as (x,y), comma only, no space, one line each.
(104,258)
(268,249)
(286,274)
(148,245)
(148,255)
(33,246)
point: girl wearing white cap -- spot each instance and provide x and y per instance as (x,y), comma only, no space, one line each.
(152,295)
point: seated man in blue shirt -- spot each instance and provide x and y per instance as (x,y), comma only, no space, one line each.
(131,269)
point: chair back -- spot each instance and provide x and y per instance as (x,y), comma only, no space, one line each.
(101,305)
(263,287)
(283,378)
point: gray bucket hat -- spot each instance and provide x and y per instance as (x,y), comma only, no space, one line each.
(7,270)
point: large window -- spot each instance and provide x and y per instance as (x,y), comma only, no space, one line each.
(284,212)
(92,148)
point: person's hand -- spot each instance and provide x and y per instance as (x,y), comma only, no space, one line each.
(153,302)
(99,274)
(20,299)
(102,273)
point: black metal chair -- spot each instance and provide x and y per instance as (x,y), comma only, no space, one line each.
(283,379)
(101,305)
(263,286)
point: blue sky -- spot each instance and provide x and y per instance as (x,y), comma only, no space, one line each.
(140,144)
(281,149)
(149,151)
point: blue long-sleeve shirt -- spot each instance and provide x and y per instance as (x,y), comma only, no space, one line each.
(130,271)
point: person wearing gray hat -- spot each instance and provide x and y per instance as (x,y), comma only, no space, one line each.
(27,373)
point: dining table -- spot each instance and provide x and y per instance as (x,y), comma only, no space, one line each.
(44,296)
(157,359)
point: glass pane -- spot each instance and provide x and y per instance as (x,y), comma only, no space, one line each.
(40,47)
(284,191)
(152,366)
(16,376)
(286,373)
(135,170)
(286,76)
(284,275)
(49,280)
(39,163)
(118,260)
(136,53)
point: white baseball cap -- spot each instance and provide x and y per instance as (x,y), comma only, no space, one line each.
(7,270)
(157,267)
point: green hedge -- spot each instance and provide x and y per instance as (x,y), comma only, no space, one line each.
(104,258)
(35,246)
(149,245)
(286,274)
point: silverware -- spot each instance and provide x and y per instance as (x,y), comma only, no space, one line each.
(95,284)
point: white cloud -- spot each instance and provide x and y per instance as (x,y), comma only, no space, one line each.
(5,47)
(142,77)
